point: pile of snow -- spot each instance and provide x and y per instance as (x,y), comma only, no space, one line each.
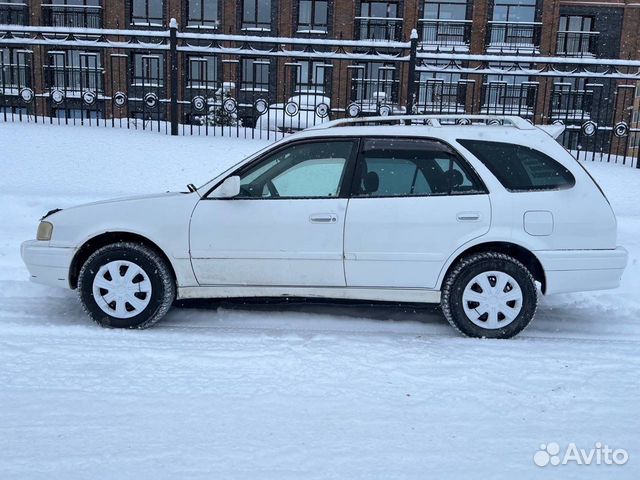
(302,391)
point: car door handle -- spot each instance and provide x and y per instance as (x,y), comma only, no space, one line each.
(323,218)
(468,216)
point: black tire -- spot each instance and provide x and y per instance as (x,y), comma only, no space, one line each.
(163,288)
(465,271)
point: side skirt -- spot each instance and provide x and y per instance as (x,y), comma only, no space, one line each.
(413,295)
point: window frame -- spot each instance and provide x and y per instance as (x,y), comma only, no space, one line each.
(344,188)
(255,24)
(532,189)
(312,27)
(466,166)
(150,21)
(202,23)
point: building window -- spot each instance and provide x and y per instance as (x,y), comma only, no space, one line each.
(571,99)
(445,9)
(72,13)
(379,21)
(441,92)
(74,71)
(14,12)
(310,77)
(202,73)
(374,84)
(445,22)
(575,35)
(514,10)
(148,13)
(509,94)
(148,70)
(313,16)
(255,75)
(513,24)
(15,70)
(256,15)
(203,13)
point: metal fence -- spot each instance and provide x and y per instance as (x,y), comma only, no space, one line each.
(264,87)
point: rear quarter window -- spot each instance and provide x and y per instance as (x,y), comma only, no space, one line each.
(520,168)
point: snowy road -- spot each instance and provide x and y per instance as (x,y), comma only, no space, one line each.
(322,390)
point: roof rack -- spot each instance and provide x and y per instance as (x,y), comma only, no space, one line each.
(432,120)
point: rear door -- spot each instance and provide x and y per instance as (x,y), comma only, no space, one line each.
(413,203)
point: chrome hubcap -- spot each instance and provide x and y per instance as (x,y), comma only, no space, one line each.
(492,300)
(122,289)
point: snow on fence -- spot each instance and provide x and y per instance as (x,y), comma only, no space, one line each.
(265,87)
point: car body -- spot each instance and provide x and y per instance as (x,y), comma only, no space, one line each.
(365,238)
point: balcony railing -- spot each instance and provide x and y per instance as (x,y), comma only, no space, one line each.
(375,28)
(14,14)
(446,33)
(503,98)
(73,80)
(80,16)
(513,35)
(567,104)
(576,43)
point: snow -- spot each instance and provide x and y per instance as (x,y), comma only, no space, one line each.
(289,391)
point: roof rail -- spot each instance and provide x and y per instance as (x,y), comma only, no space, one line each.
(432,120)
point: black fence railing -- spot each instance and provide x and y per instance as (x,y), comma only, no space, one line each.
(385,29)
(80,16)
(577,43)
(267,87)
(513,36)
(14,14)
(446,33)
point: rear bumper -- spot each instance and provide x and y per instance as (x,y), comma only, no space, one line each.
(47,265)
(582,270)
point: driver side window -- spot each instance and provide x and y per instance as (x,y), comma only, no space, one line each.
(309,170)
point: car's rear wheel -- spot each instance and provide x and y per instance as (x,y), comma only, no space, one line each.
(126,285)
(489,295)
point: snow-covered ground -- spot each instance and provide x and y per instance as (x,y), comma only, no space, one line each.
(297,391)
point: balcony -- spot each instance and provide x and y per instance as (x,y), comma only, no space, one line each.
(73,80)
(381,29)
(79,16)
(568,104)
(577,44)
(514,36)
(445,33)
(14,14)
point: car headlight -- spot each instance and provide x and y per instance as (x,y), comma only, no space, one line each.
(45,229)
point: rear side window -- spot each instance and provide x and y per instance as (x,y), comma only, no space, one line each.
(408,167)
(520,168)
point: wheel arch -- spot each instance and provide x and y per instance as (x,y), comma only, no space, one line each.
(107,238)
(520,253)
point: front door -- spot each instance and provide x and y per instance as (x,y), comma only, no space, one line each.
(286,226)
(414,202)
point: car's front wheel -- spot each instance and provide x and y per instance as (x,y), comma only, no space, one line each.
(489,295)
(126,285)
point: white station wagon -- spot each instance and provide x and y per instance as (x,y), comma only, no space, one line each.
(476,213)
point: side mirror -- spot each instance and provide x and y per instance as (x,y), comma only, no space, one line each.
(228,189)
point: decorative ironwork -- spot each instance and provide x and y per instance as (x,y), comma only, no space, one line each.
(27,95)
(199,103)
(57,96)
(120,99)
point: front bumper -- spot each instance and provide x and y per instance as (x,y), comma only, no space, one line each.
(582,270)
(47,265)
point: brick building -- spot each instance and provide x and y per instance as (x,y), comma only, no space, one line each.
(606,28)
(567,28)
